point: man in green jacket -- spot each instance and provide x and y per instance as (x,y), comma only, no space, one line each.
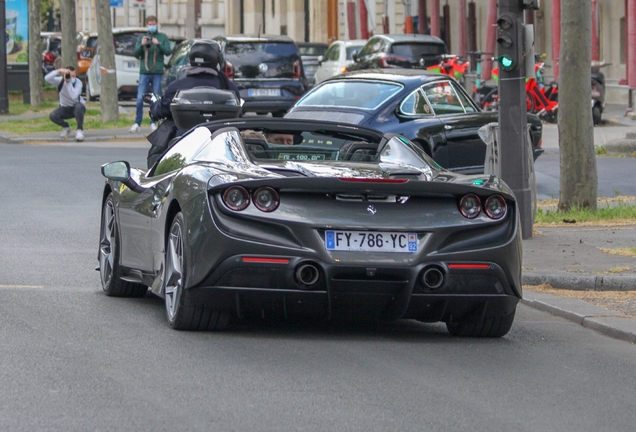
(150,49)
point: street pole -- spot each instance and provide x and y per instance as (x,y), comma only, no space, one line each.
(513,116)
(4,99)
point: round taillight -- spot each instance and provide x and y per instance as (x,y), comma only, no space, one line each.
(266,199)
(470,206)
(495,207)
(236,198)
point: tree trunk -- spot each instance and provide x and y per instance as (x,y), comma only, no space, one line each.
(108,94)
(35,55)
(69,33)
(579,180)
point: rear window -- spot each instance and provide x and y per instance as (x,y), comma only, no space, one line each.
(125,43)
(415,51)
(312,50)
(55,45)
(91,42)
(262,59)
(351,94)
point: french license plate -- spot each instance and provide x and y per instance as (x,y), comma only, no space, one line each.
(367,241)
(263,92)
(132,65)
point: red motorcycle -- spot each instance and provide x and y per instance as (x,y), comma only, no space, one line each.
(540,99)
(451,65)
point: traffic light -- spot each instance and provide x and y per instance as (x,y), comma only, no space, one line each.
(509,42)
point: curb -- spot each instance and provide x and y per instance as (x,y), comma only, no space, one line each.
(607,322)
(14,139)
(582,282)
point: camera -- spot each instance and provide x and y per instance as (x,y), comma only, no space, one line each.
(148,45)
(67,76)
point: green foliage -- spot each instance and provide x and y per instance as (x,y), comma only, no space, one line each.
(600,150)
(42,123)
(611,211)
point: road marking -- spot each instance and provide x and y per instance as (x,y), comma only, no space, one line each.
(22,286)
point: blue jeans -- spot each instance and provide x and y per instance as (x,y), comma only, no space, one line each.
(144,81)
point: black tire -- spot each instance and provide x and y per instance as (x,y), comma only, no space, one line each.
(109,268)
(491,327)
(184,309)
(597,115)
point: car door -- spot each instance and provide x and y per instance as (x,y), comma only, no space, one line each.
(134,216)
(464,150)
(418,123)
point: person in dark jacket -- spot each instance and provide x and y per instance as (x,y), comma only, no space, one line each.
(204,71)
(150,50)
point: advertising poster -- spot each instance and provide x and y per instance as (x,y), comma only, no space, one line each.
(17,30)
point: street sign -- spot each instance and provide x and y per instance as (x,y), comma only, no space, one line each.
(139,4)
(116,3)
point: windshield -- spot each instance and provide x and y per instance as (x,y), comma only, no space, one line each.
(368,95)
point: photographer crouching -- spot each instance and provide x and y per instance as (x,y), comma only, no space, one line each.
(150,50)
(72,105)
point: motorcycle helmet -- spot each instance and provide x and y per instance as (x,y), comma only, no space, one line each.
(206,53)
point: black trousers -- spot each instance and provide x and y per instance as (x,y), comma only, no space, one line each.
(62,113)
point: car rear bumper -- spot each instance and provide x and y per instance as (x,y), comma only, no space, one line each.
(432,291)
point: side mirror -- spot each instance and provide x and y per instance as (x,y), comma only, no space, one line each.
(354,56)
(320,59)
(117,171)
(150,98)
(120,171)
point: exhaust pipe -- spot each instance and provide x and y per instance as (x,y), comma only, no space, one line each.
(432,278)
(307,274)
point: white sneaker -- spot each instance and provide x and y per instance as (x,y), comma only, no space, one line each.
(79,135)
(153,126)
(66,132)
(135,128)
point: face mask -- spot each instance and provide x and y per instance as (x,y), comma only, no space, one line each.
(152,28)
(73,80)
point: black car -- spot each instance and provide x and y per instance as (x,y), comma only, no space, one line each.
(399,51)
(430,109)
(340,221)
(311,52)
(268,70)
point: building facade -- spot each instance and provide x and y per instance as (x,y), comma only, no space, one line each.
(463,24)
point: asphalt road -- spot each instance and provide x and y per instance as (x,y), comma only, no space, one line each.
(75,360)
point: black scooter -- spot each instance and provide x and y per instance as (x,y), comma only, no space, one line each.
(598,91)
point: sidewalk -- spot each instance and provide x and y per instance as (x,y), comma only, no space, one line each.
(572,258)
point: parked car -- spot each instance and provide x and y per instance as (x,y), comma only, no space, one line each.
(337,58)
(126,64)
(399,51)
(51,51)
(267,70)
(310,53)
(345,222)
(86,44)
(430,109)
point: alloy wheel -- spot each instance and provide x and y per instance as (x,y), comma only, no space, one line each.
(106,248)
(174,271)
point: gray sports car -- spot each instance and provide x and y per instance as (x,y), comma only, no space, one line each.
(304,218)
